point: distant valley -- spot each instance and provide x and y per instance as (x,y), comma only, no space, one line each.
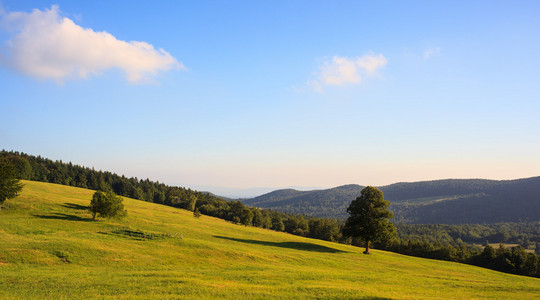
(450,201)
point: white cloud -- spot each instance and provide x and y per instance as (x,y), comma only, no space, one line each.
(49,46)
(432,52)
(341,70)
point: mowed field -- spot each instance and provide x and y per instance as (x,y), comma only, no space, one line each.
(50,248)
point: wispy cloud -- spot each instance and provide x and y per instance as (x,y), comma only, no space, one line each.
(340,70)
(48,46)
(432,52)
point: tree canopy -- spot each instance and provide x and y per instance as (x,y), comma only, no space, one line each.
(107,205)
(369,217)
(10,185)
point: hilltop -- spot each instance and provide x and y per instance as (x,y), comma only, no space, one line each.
(49,248)
(450,201)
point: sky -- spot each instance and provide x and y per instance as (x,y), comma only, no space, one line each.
(234,96)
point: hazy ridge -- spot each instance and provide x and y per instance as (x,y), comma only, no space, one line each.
(449,201)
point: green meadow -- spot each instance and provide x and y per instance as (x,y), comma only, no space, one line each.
(50,248)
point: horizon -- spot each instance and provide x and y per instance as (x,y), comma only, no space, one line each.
(246,193)
(245,96)
(252,192)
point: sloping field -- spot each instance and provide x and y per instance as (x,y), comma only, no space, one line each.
(50,248)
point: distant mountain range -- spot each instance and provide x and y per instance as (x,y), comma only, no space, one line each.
(450,201)
(241,193)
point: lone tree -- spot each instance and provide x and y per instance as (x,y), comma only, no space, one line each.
(10,185)
(97,202)
(369,217)
(107,205)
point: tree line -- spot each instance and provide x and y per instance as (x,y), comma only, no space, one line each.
(513,260)
(36,168)
(525,234)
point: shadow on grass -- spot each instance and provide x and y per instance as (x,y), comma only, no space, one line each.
(60,216)
(74,206)
(290,245)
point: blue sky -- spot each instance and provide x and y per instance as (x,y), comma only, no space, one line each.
(275,93)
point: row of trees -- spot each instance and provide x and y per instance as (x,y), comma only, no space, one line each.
(37,168)
(525,234)
(357,231)
(513,260)
(237,212)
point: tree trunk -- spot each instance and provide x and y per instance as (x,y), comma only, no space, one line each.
(367,248)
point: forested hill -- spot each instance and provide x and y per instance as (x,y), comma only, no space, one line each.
(330,203)
(450,201)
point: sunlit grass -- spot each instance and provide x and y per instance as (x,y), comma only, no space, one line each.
(50,248)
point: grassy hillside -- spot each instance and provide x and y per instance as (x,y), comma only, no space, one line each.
(49,248)
(450,201)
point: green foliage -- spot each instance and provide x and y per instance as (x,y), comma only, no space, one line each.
(277,224)
(462,253)
(190,203)
(324,229)
(96,204)
(197,213)
(300,226)
(10,185)
(64,257)
(369,217)
(107,205)
(246,217)
(525,234)
(511,260)
(22,167)
(261,220)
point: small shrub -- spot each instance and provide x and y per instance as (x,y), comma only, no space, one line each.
(62,255)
